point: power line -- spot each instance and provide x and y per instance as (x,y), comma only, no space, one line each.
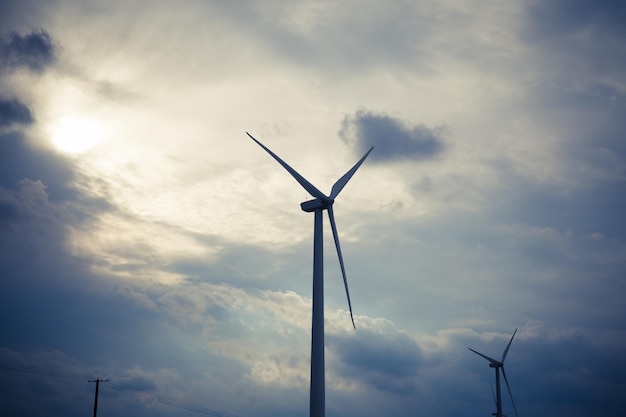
(170,401)
(21,367)
(38,370)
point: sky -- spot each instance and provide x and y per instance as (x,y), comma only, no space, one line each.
(145,239)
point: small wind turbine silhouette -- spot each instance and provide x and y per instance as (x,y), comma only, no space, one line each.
(320,203)
(500,365)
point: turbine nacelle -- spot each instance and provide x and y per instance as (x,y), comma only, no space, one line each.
(317,204)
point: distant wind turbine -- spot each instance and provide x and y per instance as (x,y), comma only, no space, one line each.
(320,203)
(500,365)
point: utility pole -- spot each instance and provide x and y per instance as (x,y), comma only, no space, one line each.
(95,403)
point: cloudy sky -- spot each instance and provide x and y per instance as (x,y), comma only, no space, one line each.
(145,239)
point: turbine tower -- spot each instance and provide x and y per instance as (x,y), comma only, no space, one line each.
(499,365)
(320,203)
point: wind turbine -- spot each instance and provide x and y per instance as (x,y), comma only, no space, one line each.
(500,365)
(320,203)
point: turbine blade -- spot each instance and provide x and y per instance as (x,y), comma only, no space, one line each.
(303,182)
(495,401)
(509,389)
(333,226)
(341,182)
(495,362)
(506,351)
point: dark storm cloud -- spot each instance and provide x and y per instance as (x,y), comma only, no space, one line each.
(576,367)
(38,206)
(579,44)
(594,128)
(392,138)
(558,17)
(34,229)
(53,302)
(14,112)
(387,362)
(34,50)
(19,161)
(67,396)
(545,242)
(35,265)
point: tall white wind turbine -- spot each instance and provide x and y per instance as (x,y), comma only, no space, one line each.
(500,365)
(320,203)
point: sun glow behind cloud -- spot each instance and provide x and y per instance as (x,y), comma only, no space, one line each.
(76,121)
(76,134)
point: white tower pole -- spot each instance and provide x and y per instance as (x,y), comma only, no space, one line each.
(317,394)
(498,393)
